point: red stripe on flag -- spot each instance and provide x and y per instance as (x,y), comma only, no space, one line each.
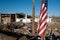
(42,34)
(42,9)
(44,12)
(40,22)
(41,28)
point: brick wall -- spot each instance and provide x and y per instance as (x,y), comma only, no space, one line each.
(0,19)
(6,19)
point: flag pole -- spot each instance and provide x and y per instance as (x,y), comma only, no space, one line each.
(33,17)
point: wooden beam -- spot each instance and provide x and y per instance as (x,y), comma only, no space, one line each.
(33,17)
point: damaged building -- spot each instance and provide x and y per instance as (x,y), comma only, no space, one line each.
(16,17)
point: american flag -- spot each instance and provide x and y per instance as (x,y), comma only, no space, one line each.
(42,23)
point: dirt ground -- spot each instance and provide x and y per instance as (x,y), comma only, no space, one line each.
(51,25)
(5,37)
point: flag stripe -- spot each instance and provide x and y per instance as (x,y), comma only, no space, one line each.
(42,20)
(42,9)
(42,27)
(42,31)
(45,15)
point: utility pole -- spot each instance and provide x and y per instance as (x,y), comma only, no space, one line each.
(10,18)
(33,17)
(0,18)
(15,17)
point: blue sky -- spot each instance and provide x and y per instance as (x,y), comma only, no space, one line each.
(25,6)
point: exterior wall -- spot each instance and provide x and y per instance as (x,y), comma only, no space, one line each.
(36,20)
(26,20)
(49,20)
(23,20)
(6,20)
(18,19)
